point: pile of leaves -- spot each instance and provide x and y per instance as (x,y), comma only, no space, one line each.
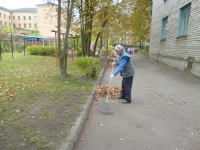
(104,90)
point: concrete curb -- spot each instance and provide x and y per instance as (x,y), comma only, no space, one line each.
(72,138)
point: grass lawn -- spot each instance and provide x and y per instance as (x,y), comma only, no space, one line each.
(38,106)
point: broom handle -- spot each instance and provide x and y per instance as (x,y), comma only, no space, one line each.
(110,81)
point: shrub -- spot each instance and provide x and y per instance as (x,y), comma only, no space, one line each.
(104,51)
(41,50)
(79,52)
(144,52)
(88,65)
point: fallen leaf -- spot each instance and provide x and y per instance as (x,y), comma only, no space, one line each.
(121,139)
(101,125)
(82,139)
(88,118)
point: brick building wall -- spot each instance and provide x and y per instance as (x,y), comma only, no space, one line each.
(174,50)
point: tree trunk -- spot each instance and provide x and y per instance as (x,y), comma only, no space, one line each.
(86,29)
(98,35)
(63,56)
(61,60)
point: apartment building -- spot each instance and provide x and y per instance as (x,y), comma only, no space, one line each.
(175,34)
(41,18)
(5,17)
(25,18)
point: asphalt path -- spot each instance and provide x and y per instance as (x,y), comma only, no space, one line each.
(163,115)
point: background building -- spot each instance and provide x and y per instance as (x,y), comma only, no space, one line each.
(43,18)
(175,34)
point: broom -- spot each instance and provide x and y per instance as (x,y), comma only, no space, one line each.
(105,107)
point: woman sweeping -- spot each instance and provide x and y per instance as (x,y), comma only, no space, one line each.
(127,71)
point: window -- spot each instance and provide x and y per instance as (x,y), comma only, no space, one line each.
(18,17)
(19,25)
(35,25)
(9,24)
(0,23)
(13,17)
(4,15)
(29,17)
(24,17)
(13,25)
(0,14)
(5,24)
(184,20)
(9,17)
(164,28)
(29,25)
(35,18)
(24,25)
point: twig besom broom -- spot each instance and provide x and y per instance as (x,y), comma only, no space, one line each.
(105,107)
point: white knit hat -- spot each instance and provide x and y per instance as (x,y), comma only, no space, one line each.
(119,48)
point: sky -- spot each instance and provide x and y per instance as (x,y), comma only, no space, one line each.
(15,4)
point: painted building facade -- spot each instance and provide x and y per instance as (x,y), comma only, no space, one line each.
(175,34)
(39,18)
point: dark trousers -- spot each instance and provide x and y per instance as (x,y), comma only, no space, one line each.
(126,88)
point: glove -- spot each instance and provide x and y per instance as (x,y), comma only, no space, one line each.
(111,76)
(113,63)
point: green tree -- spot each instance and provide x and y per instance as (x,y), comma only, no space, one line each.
(86,14)
(141,21)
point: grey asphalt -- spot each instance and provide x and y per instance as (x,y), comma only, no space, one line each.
(163,115)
